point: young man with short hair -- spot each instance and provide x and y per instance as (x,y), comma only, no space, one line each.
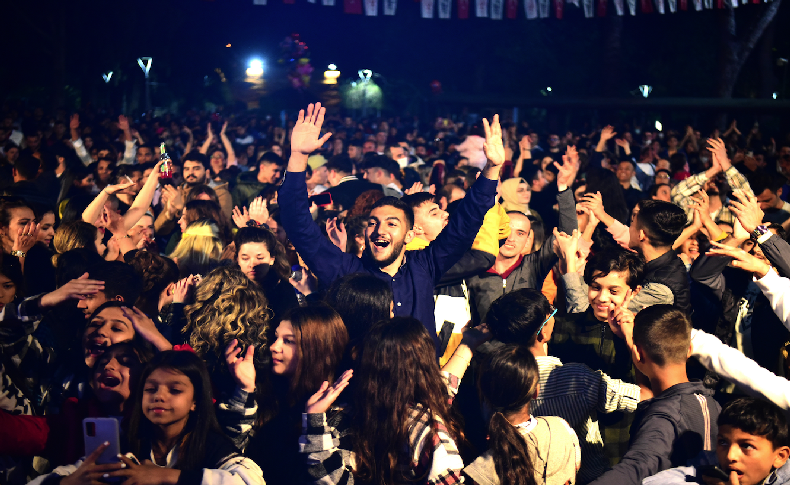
(390,227)
(121,283)
(249,185)
(680,420)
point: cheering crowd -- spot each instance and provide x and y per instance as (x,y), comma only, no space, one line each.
(242,300)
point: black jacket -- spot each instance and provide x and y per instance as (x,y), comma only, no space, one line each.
(668,430)
(346,193)
(669,270)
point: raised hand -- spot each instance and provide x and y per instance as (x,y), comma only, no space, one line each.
(240,217)
(123,123)
(567,171)
(304,137)
(224,128)
(259,210)
(493,147)
(608,133)
(321,401)
(209,132)
(112,189)
(741,259)
(241,368)
(73,290)
(74,122)
(525,144)
(747,210)
(306,282)
(146,328)
(621,319)
(417,187)
(719,152)
(337,233)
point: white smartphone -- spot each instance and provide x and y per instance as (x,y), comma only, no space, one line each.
(98,430)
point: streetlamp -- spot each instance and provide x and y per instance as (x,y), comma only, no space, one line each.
(645,90)
(364,75)
(331,74)
(145,65)
(107,77)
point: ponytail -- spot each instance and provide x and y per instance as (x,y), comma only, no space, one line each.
(511,454)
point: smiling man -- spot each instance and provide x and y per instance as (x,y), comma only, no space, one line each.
(513,269)
(412,275)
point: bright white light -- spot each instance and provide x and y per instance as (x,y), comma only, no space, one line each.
(332,67)
(365,74)
(645,90)
(108,76)
(774,95)
(256,68)
(659,126)
(145,64)
(548,89)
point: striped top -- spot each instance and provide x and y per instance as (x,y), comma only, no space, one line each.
(577,393)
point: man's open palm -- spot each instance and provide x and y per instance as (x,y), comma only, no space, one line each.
(304,137)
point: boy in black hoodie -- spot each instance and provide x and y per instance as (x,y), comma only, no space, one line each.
(680,421)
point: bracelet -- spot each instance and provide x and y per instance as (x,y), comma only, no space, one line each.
(19,254)
(253,223)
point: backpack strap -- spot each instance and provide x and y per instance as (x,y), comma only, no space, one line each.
(546,461)
(703,403)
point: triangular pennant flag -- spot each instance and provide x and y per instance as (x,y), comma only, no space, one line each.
(259,2)
(511,8)
(601,8)
(481,8)
(632,7)
(673,5)
(660,6)
(390,6)
(708,4)
(647,7)
(588,8)
(497,8)
(559,7)
(683,5)
(619,8)
(463,9)
(328,3)
(310,1)
(445,8)
(427,9)
(352,7)
(698,5)
(371,8)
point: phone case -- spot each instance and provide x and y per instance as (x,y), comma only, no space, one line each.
(98,430)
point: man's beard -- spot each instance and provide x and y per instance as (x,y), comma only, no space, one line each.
(197,182)
(397,249)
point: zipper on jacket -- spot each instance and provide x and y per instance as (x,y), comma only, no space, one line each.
(504,285)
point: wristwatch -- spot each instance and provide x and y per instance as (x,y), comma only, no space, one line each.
(761,233)
(19,254)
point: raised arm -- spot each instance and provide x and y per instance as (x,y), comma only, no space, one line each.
(228,146)
(190,141)
(209,138)
(322,257)
(731,364)
(76,141)
(524,153)
(143,200)
(606,134)
(94,210)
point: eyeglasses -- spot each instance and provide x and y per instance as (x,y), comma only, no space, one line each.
(553,312)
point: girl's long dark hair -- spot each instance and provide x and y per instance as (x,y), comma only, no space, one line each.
(507,382)
(202,421)
(397,369)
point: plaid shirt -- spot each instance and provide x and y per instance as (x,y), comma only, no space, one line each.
(580,337)
(577,393)
(26,363)
(328,446)
(682,192)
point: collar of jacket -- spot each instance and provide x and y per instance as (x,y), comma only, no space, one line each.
(507,272)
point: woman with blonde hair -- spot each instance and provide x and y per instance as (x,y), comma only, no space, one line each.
(76,234)
(228,306)
(199,250)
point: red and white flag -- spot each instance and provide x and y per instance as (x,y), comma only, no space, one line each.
(463,9)
(497,9)
(371,8)
(445,8)
(531,9)
(481,8)
(559,6)
(426,7)
(352,7)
